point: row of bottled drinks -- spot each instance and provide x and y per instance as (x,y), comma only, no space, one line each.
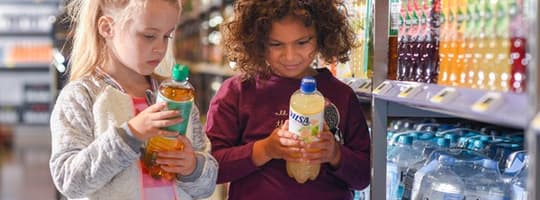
(429,160)
(467,43)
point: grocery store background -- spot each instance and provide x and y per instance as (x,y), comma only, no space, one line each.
(414,83)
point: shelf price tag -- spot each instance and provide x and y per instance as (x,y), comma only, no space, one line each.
(365,87)
(445,95)
(488,102)
(383,88)
(410,91)
(357,84)
(536,124)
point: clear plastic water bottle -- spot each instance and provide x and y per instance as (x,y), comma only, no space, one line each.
(519,183)
(487,184)
(405,156)
(417,171)
(443,183)
(514,163)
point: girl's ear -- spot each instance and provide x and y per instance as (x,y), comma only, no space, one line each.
(105,26)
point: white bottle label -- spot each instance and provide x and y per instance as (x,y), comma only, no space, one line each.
(307,127)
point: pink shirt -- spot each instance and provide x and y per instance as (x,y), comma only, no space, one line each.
(152,188)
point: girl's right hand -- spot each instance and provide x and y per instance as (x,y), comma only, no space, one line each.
(281,144)
(149,122)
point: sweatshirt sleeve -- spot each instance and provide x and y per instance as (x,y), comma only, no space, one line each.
(354,168)
(223,129)
(202,182)
(83,161)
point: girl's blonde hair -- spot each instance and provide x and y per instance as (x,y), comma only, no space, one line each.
(89,49)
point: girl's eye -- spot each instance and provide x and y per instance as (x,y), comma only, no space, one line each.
(303,42)
(149,36)
(275,44)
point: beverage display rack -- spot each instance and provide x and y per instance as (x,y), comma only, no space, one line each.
(392,98)
(25,60)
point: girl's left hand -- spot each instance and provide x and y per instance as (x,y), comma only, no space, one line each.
(326,150)
(182,162)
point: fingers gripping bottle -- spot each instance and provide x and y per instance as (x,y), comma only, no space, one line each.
(179,95)
(306,115)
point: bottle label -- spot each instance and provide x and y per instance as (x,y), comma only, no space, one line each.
(395,8)
(519,193)
(307,127)
(185,112)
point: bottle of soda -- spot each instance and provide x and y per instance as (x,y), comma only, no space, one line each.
(179,95)
(306,115)
(393,55)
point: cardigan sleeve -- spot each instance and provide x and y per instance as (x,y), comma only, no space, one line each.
(83,161)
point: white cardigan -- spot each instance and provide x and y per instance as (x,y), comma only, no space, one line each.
(93,157)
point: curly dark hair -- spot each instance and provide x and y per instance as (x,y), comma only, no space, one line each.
(245,36)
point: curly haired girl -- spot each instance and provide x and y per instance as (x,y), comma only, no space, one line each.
(274,44)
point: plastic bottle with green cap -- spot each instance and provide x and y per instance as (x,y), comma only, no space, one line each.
(179,95)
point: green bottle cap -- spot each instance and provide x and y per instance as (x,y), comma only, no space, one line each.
(180,72)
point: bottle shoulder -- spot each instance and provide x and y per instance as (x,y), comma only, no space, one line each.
(177,84)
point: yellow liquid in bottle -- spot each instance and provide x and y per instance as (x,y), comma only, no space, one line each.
(502,67)
(461,62)
(160,143)
(312,106)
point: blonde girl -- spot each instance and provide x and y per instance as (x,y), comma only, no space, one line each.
(101,118)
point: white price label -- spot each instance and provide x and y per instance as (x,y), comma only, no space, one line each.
(410,91)
(489,101)
(383,88)
(536,124)
(357,84)
(366,87)
(445,95)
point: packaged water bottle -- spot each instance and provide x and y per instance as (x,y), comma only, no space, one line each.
(179,95)
(443,183)
(487,184)
(401,159)
(306,116)
(514,163)
(519,183)
(416,171)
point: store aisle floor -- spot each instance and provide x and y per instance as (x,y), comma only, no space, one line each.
(24,169)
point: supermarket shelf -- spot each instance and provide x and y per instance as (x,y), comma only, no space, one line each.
(19,2)
(39,67)
(208,68)
(360,86)
(24,34)
(364,97)
(506,109)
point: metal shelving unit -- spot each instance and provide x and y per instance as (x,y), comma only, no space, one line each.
(25,60)
(411,99)
(533,90)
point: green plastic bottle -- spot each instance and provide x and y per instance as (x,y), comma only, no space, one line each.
(179,95)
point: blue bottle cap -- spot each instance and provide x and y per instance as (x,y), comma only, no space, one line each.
(405,139)
(443,142)
(452,137)
(308,85)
